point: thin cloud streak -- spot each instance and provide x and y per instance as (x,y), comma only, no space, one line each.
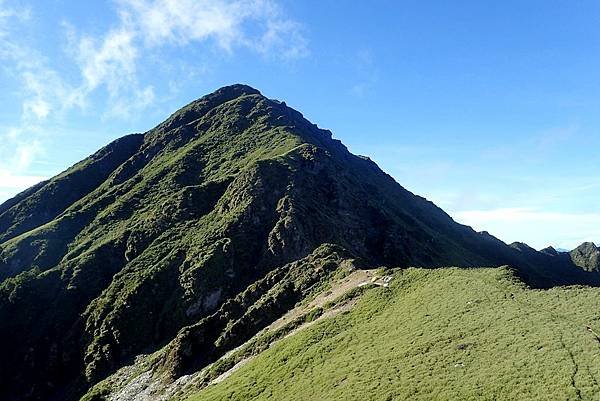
(566,230)
(110,64)
(18,182)
(145,27)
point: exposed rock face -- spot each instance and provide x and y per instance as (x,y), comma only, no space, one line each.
(586,256)
(176,236)
(550,251)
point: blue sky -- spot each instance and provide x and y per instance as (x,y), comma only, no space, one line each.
(489,109)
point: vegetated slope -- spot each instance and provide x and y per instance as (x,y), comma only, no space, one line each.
(447,334)
(586,256)
(229,211)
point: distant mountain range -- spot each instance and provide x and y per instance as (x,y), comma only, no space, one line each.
(185,241)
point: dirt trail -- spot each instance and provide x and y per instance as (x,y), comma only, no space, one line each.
(355,279)
(337,289)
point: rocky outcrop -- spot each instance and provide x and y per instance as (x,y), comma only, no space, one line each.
(550,251)
(586,256)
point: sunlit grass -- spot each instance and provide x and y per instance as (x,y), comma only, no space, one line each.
(437,335)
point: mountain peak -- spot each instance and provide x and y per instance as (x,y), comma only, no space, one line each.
(201,232)
(201,106)
(235,90)
(586,256)
(587,245)
(242,111)
(550,250)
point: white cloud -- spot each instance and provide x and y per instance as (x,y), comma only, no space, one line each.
(179,22)
(42,94)
(39,107)
(11,184)
(112,61)
(366,71)
(18,151)
(8,13)
(25,153)
(283,38)
(136,100)
(115,62)
(20,148)
(146,26)
(11,181)
(523,215)
(43,90)
(537,228)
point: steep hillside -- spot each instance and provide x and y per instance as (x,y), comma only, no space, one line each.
(586,256)
(190,238)
(447,334)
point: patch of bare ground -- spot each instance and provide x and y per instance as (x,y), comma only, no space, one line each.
(338,288)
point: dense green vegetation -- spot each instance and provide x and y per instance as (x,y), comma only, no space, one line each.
(185,241)
(447,334)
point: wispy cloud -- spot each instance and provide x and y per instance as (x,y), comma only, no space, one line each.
(145,27)
(17,182)
(366,71)
(111,66)
(555,137)
(110,63)
(19,145)
(536,227)
(39,83)
(16,155)
(11,183)
(523,215)
(8,13)
(180,22)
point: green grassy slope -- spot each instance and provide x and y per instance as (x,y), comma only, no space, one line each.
(436,335)
(155,233)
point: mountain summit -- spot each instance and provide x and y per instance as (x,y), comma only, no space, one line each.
(197,234)
(586,256)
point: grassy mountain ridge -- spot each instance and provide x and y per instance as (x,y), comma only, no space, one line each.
(447,334)
(45,201)
(130,249)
